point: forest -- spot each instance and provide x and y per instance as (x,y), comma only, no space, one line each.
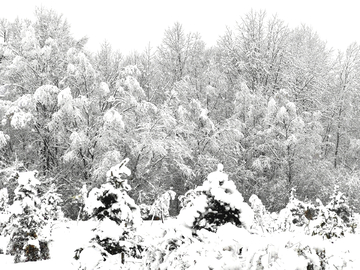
(275,105)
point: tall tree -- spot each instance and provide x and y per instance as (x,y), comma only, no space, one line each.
(341,113)
(108,63)
(309,63)
(179,53)
(256,51)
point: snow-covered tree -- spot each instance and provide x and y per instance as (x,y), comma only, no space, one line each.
(117,216)
(216,202)
(179,53)
(256,51)
(212,212)
(27,240)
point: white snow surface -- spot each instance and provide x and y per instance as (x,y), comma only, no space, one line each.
(28,178)
(277,250)
(67,236)
(109,229)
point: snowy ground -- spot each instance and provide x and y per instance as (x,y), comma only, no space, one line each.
(72,235)
(68,237)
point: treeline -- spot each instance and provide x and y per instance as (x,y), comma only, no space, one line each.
(273,104)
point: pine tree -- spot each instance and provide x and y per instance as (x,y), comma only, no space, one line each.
(215,203)
(118,217)
(27,242)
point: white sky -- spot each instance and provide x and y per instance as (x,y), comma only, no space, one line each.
(130,25)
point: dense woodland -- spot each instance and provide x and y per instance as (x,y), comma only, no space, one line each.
(275,105)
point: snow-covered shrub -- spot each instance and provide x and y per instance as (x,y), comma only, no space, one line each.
(296,214)
(9,177)
(204,238)
(4,200)
(301,211)
(188,198)
(327,224)
(118,217)
(217,202)
(4,208)
(334,220)
(160,208)
(27,240)
(4,214)
(339,204)
(50,205)
(285,250)
(208,250)
(262,218)
(317,219)
(145,212)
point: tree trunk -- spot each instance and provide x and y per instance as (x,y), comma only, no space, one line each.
(337,143)
(337,147)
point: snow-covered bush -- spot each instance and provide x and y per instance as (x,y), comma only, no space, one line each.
(50,205)
(4,200)
(212,215)
(208,250)
(217,202)
(330,221)
(118,217)
(335,219)
(262,218)
(296,215)
(339,204)
(327,224)
(4,207)
(4,214)
(9,177)
(300,236)
(160,208)
(145,212)
(27,240)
